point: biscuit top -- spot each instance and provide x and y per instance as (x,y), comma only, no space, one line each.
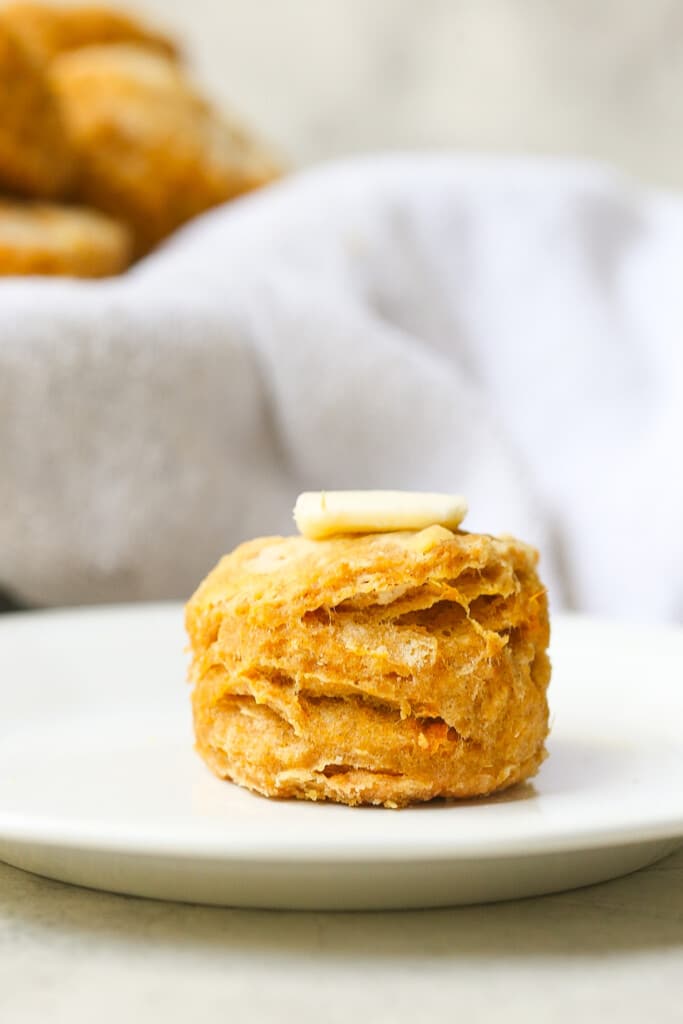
(275,579)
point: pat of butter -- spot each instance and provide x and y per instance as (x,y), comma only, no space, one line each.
(320,514)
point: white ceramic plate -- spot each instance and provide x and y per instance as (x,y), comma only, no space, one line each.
(100,786)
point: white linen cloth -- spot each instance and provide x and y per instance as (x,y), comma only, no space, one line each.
(507,329)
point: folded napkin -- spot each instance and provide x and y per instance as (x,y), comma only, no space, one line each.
(508,329)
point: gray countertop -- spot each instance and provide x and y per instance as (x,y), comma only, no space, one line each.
(610,952)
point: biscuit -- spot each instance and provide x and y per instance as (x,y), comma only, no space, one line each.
(377,669)
(48,31)
(36,158)
(151,151)
(42,238)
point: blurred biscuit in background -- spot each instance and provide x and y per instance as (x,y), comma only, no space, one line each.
(45,238)
(36,156)
(48,31)
(95,109)
(150,150)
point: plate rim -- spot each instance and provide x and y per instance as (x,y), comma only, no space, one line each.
(358,850)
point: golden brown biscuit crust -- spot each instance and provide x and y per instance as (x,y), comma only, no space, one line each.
(36,158)
(42,238)
(376,669)
(151,151)
(48,30)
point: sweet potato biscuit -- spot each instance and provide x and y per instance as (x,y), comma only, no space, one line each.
(36,158)
(151,151)
(41,238)
(49,30)
(381,669)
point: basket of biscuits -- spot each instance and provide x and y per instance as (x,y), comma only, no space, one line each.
(106,145)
